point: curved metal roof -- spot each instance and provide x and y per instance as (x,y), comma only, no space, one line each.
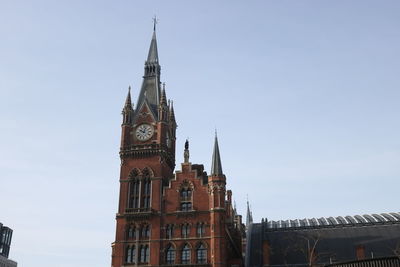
(339,221)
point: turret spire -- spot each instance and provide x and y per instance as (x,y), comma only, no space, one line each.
(249,214)
(172,112)
(127,111)
(128,101)
(216,166)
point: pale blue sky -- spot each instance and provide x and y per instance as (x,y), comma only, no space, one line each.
(305,96)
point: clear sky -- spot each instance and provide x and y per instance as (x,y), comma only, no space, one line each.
(305,96)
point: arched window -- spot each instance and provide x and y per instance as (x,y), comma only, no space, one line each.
(170,255)
(185,256)
(146,188)
(169,231)
(185,230)
(201,229)
(131,233)
(144,254)
(201,254)
(145,231)
(134,194)
(130,254)
(146,193)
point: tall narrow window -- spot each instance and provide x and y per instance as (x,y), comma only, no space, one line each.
(131,234)
(201,254)
(185,230)
(201,229)
(146,193)
(134,194)
(169,231)
(185,256)
(170,255)
(144,254)
(130,254)
(145,231)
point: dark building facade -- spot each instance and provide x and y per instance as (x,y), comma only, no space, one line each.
(5,240)
(5,244)
(167,217)
(324,241)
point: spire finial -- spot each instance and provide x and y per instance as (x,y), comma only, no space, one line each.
(155,21)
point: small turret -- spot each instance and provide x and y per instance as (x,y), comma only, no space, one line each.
(127,111)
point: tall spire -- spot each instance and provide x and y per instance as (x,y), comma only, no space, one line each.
(249,215)
(153,52)
(216,166)
(150,92)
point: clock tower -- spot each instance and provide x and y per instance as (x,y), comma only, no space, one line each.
(167,217)
(147,162)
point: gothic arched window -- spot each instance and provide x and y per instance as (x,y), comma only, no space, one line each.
(185,256)
(201,254)
(144,254)
(134,188)
(185,230)
(130,254)
(146,193)
(145,231)
(170,255)
(146,188)
(201,229)
(131,233)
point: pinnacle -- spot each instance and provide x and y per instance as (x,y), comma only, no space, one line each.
(216,166)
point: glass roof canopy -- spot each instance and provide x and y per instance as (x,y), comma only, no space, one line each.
(373,219)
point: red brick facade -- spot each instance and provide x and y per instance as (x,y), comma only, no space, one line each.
(166,218)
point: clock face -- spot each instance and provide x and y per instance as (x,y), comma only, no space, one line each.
(144,132)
